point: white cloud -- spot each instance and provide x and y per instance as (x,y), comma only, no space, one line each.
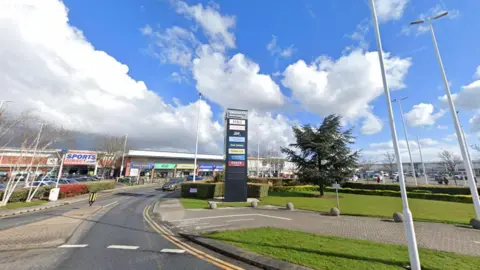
(278,51)
(272,132)
(344,86)
(174,45)
(442,127)
(390,9)
(178,78)
(467,98)
(450,137)
(422,115)
(477,73)
(66,80)
(217,27)
(234,82)
(371,125)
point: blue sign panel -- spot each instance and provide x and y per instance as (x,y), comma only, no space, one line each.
(236,145)
(140,165)
(236,139)
(236,157)
(219,168)
(206,166)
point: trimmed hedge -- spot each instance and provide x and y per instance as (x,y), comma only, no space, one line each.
(295,188)
(204,190)
(274,180)
(258,191)
(72,190)
(101,185)
(20,195)
(425,189)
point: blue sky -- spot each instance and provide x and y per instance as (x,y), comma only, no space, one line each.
(295,61)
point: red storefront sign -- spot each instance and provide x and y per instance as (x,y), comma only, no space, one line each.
(234,163)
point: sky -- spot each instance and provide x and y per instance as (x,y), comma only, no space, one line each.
(137,67)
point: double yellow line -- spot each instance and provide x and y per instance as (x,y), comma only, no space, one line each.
(195,252)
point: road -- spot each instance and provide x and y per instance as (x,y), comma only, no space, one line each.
(119,237)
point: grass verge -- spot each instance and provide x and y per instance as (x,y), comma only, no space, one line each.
(377,206)
(17,205)
(327,252)
(189,203)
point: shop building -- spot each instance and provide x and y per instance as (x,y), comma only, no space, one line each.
(171,164)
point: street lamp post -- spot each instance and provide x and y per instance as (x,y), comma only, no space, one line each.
(258,158)
(468,152)
(408,223)
(196,141)
(421,159)
(406,138)
(123,155)
(458,130)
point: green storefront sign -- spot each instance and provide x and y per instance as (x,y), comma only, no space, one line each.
(164,166)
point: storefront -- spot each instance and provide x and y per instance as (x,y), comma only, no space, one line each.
(182,170)
(218,169)
(140,169)
(164,170)
(206,169)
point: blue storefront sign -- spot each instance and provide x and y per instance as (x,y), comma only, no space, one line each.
(236,145)
(206,167)
(141,165)
(236,157)
(236,139)
(219,168)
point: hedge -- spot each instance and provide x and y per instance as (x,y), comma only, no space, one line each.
(71,190)
(258,191)
(20,195)
(295,188)
(101,185)
(274,180)
(425,189)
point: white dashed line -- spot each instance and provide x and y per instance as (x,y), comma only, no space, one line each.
(73,246)
(476,242)
(236,220)
(168,250)
(123,247)
(107,205)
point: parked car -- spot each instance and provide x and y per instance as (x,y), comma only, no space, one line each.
(43,183)
(190,178)
(2,187)
(173,184)
(441,179)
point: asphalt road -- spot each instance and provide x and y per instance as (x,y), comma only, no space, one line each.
(117,238)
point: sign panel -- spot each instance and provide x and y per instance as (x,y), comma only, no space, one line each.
(206,167)
(236,151)
(185,167)
(219,168)
(336,186)
(141,165)
(134,172)
(165,166)
(236,157)
(80,158)
(236,163)
(193,190)
(236,145)
(235,127)
(236,139)
(238,114)
(237,122)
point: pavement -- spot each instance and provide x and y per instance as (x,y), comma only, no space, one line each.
(115,233)
(436,236)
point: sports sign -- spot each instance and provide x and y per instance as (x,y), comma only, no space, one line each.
(236,142)
(80,158)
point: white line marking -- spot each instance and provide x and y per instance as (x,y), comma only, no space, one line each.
(190,224)
(476,242)
(242,219)
(73,246)
(107,205)
(209,227)
(168,250)
(122,247)
(283,218)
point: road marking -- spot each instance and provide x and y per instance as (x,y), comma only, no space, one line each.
(227,216)
(242,219)
(190,224)
(282,218)
(123,247)
(209,227)
(195,252)
(476,242)
(107,205)
(169,250)
(73,246)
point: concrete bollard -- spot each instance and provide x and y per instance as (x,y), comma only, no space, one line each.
(254,204)
(475,222)
(398,217)
(334,212)
(290,206)
(212,205)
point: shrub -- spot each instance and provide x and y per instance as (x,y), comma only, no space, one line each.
(424,189)
(219,177)
(295,188)
(101,185)
(20,195)
(275,181)
(204,190)
(258,191)
(72,190)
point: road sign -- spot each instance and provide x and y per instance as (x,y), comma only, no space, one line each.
(236,151)
(336,186)
(237,122)
(236,127)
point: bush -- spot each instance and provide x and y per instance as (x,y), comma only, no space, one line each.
(258,191)
(219,177)
(295,188)
(101,185)
(204,190)
(424,189)
(20,195)
(72,190)
(275,181)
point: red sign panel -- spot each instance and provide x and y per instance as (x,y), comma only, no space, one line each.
(233,163)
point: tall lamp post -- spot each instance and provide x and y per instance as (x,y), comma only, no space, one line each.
(123,155)
(458,130)
(406,137)
(3,102)
(258,158)
(408,223)
(421,159)
(196,141)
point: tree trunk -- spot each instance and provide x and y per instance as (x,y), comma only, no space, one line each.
(322,187)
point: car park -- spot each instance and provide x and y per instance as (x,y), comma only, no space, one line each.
(173,184)
(190,178)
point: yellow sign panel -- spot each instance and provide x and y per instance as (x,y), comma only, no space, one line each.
(236,151)
(185,166)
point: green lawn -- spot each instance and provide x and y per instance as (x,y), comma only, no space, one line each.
(189,203)
(17,205)
(380,206)
(326,252)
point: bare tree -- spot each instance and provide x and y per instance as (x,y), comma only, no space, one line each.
(110,150)
(272,159)
(450,160)
(390,160)
(366,164)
